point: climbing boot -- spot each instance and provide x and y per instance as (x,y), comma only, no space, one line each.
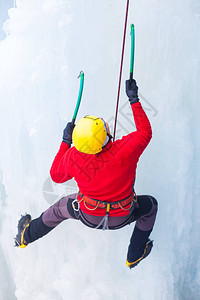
(23,223)
(146,252)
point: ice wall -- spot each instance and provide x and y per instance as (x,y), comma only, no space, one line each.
(4,6)
(47,44)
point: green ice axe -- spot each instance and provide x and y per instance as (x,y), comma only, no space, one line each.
(132,50)
(81,76)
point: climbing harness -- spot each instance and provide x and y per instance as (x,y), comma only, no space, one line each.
(103,204)
(124,204)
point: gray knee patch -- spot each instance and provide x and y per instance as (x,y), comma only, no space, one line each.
(154,201)
(147,221)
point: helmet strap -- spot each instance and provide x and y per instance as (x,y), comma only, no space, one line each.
(108,139)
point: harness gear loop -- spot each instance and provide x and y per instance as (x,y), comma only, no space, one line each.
(91,208)
(131,204)
(125,208)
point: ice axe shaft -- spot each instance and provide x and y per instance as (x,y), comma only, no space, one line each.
(79,96)
(132,51)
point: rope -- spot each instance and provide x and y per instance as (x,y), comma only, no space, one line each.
(120,75)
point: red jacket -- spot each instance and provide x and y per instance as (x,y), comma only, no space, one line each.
(108,175)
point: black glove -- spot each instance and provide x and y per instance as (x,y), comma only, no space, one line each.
(67,133)
(132,91)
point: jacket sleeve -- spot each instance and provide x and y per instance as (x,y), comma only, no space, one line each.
(59,171)
(137,141)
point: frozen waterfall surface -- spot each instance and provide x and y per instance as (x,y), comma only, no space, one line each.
(44,45)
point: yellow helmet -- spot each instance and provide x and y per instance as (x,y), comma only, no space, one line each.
(89,135)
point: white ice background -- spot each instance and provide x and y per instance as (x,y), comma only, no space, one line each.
(47,43)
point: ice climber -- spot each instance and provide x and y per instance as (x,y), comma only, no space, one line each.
(105,173)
